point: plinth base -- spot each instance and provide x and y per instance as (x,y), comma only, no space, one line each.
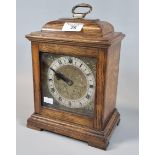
(95,138)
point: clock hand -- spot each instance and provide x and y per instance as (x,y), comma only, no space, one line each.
(63,77)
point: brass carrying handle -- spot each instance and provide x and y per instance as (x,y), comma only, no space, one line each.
(80,14)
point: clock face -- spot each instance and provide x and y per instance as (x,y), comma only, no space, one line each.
(68,83)
(71,82)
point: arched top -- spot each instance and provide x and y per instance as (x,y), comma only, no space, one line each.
(94,32)
(92,28)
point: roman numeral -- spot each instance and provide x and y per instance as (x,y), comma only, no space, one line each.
(70,60)
(91,86)
(80,65)
(59,61)
(88,96)
(88,74)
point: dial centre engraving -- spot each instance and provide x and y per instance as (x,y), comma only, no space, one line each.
(79,87)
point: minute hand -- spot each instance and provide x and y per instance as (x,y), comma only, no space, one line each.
(63,77)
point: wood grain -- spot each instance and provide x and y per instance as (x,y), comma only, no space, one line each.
(75,40)
(111,79)
(90,28)
(101,66)
(67,116)
(95,138)
(36,77)
(68,50)
(97,40)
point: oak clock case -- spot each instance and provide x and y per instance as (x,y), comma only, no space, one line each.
(75,74)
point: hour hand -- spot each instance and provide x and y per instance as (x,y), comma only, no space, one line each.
(63,77)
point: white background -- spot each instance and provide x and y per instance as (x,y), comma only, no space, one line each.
(31,16)
(7,79)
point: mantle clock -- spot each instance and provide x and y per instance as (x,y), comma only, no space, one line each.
(75,73)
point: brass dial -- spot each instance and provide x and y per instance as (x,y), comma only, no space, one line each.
(71,82)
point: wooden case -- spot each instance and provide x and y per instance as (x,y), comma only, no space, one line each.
(97,39)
